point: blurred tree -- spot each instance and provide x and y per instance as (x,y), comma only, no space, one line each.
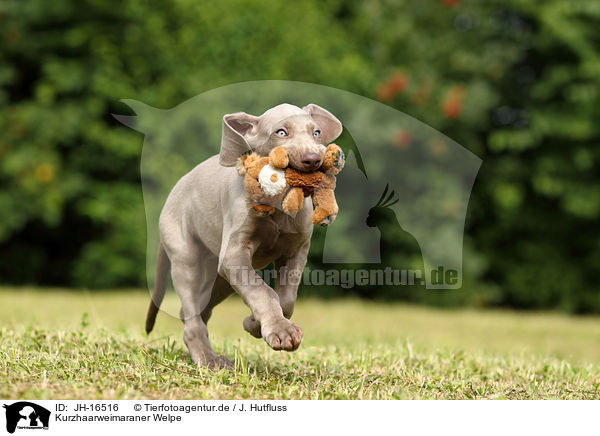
(517,82)
(71,210)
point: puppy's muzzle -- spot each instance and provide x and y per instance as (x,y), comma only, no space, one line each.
(311,161)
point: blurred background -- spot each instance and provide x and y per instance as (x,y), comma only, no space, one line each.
(517,82)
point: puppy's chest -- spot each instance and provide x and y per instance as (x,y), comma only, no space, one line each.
(276,239)
(278,245)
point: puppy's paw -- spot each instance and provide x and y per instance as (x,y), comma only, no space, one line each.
(252,326)
(282,335)
(216,362)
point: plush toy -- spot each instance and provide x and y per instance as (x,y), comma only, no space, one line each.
(269,180)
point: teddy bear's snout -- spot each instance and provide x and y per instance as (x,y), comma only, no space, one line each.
(311,161)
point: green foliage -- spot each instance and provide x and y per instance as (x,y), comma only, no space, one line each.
(516,82)
(65,65)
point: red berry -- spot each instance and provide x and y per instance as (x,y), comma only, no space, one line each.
(385,92)
(398,81)
(452,104)
(450,3)
(451,107)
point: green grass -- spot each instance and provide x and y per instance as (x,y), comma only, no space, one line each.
(351,350)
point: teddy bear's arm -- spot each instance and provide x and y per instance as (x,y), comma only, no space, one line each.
(279,157)
(326,208)
(293,201)
(245,162)
(334,160)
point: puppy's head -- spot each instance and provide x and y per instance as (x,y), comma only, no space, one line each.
(304,133)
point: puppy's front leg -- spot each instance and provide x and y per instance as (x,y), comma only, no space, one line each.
(236,267)
(289,273)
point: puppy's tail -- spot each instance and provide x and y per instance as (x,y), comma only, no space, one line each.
(160,287)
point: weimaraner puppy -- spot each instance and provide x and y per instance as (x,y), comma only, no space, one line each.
(213,244)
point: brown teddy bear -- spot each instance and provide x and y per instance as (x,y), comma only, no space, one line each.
(269,180)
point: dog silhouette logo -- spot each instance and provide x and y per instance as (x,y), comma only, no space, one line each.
(430,175)
(26,415)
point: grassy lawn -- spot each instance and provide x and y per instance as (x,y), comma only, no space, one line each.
(351,350)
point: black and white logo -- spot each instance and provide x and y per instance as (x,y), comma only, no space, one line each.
(26,415)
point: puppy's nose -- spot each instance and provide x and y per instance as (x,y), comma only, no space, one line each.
(311,161)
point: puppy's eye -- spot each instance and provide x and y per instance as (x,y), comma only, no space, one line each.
(317,133)
(281,132)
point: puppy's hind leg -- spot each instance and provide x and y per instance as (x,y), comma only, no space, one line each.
(220,291)
(193,280)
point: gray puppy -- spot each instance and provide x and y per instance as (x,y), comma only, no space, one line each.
(214,245)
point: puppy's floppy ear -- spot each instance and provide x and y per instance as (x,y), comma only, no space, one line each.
(330,126)
(234,140)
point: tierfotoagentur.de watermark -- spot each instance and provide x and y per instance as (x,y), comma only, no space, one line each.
(345,278)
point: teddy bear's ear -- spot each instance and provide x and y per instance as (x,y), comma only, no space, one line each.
(237,128)
(330,126)
(240,166)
